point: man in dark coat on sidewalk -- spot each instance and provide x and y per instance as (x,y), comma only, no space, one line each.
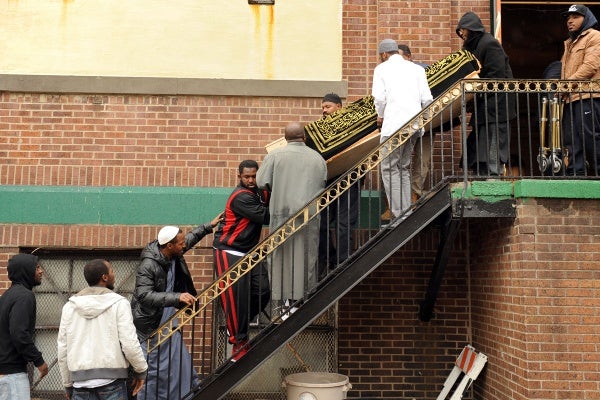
(17,326)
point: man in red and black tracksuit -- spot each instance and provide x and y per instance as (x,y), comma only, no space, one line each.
(246,212)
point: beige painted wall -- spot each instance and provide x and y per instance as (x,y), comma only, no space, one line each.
(229,39)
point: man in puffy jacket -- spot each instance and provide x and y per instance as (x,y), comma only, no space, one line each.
(581,114)
(97,341)
(488,144)
(163,283)
(17,326)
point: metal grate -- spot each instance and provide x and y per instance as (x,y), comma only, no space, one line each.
(314,349)
(63,277)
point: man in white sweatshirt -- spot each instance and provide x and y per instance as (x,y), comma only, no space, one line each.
(97,341)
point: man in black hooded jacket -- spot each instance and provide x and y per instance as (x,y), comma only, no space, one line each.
(488,143)
(17,326)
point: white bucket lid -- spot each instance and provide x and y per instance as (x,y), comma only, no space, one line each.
(316,379)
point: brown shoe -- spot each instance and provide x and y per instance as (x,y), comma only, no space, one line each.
(387,215)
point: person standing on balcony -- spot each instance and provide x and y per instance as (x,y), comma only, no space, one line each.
(246,211)
(163,283)
(97,341)
(581,114)
(342,213)
(296,174)
(17,327)
(488,143)
(400,91)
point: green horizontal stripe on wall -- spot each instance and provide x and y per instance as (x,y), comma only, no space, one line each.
(110,205)
(566,189)
(497,190)
(125,205)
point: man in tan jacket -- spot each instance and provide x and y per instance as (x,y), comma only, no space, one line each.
(581,115)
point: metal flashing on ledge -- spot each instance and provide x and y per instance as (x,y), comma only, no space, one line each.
(478,208)
(170,86)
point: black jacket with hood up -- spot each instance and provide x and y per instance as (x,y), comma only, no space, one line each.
(149,297)
(494,64)
(17,317)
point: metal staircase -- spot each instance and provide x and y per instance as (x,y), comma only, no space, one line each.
(381,246)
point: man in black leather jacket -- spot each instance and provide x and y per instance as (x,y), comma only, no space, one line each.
(150,296)
(163,283)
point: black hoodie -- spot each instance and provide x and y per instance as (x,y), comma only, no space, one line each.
(17,317)
(494,65)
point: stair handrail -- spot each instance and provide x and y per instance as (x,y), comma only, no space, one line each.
(301,218)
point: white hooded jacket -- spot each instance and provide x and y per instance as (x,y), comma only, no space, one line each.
(97,338)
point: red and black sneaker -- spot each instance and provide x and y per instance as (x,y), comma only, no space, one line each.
(239,350)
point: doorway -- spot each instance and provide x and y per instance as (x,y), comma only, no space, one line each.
(533,33)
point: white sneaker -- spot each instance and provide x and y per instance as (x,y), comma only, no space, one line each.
(289,312)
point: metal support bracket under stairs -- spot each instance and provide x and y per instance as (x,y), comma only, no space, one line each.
(450,227)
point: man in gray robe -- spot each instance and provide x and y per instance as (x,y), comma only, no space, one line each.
(295,174)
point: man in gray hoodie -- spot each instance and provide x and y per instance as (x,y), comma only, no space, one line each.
(97,340)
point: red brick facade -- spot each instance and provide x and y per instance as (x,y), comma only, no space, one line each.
(524,292)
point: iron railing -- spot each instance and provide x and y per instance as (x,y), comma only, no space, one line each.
(514,129)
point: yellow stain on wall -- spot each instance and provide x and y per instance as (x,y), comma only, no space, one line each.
(291,40)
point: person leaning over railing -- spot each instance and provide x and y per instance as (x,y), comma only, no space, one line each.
(581,114)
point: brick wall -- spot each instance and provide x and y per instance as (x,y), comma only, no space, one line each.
(383,347)
(524,292)
(88,140)
(535,303)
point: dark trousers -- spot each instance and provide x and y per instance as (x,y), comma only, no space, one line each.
(244,300)
(487,148)
(342,216)
(581,136)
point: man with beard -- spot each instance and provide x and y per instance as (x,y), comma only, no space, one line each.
(341,214)
(17,326)
(581,115)
(246,211)
(163,284)
(488,143)
(97,341)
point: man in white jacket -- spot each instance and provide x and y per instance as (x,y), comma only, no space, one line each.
(97,341)
(400,92)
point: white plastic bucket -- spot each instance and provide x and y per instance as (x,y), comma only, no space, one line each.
(316,386)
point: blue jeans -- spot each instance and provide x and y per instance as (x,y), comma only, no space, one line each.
(116,390)
(14,387)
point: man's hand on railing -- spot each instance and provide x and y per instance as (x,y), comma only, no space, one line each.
(187,298)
